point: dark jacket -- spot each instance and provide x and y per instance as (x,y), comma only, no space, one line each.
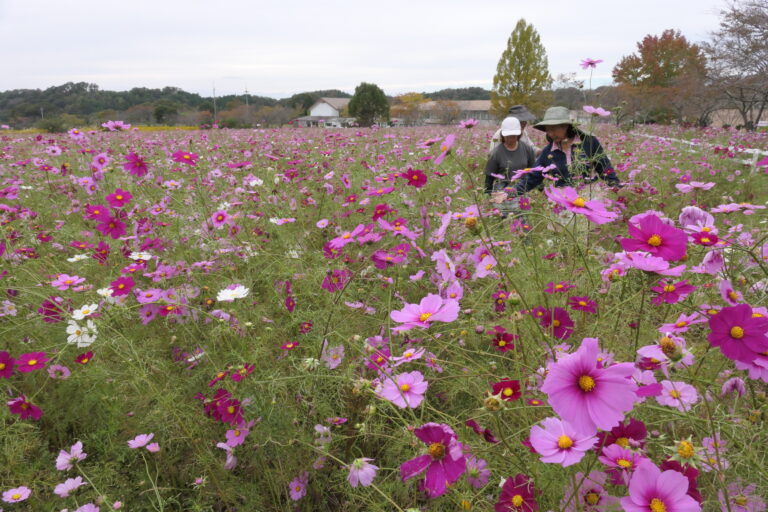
(587,158)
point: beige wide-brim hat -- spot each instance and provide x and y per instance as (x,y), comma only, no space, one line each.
(555,116)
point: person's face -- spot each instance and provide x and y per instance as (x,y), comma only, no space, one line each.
(557,132)
(510,140)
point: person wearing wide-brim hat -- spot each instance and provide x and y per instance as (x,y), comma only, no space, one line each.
(523,115)
(576,154)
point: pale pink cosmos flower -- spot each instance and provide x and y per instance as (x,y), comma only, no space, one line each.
(65,459)
(361,472)
(432,308)
(404,390)
(679,395)
(64,282)
(63,490)
(598,111)
(590,63)
(558,442)
(140,440)
(568,198)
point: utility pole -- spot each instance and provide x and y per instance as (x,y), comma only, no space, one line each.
(214,104)
(247,108)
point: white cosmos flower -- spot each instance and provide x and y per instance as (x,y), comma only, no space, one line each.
(230,294)
(84,311)
(140,256)
(77,257)
(82,336)
(256,182)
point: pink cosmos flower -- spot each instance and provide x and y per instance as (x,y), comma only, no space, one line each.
(64,282)
(568,198)
(728,294)
(62,490)
(648,263)
(561,287)
(65,459)
(88,507)
(140,440)
(6,365)
(620,458)
(693,185)
(122,286)
(597,111)
(590,63)
(135,165)
(444,461)
(119,198)
(586,394)
(409,355)
(445,147)
(361,472)
(432,308)
(582,304)
(404,390)
(591,497)
(332,357)
(559,321)
(298,486)
(219,218)
(231,460)
(653,490)
(518,494)
(669,293)
(31,361)
(679,395)
(16,495)
(24,409)
(336,280)
(112,227)
(739,333)
(558,442)
(656,237)
(185,158)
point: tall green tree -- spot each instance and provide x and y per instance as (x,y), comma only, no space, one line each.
(369,104)
(522,75)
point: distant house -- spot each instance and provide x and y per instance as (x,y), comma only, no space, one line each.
(326,112)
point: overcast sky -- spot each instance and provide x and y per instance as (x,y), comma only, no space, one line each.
(279,48)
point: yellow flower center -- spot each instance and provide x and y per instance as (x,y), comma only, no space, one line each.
(508,392)
(741,500)
(517,500)
(674,393)
(705,239)
(681,323)
(706,229)
(592,498)
(657,505)
(84,360)
(624,463)
(436,450)
(231,409)
(119,198)
(346,236)
(669,288)
(733,296)
(32,362)
(623,442)
(2,366)
(586,383)
(405,387)
(187,157)
(564,442)
(556,323)
(502,343)
(685,450)
(488,266)
(737,332)
(654,241)
(582,303)
(68,281)
(579,202)
(424,317)
(15,496)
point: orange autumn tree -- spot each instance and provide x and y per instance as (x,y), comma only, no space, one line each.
(660,75)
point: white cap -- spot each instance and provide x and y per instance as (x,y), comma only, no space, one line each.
(511,126)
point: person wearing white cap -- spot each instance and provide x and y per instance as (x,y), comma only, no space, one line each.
(524,116)
(511,155)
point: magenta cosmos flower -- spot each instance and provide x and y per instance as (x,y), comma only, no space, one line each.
(671,293)
(31,361)
(6,365)
(518,494)
(654,236)
(414,177)
(432,308)
(587,395)
(568,198)
(119,198)
(652,490)
(135,165)
(184,157)
(739,333)
(405,389)
(444,461)
(557,441)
